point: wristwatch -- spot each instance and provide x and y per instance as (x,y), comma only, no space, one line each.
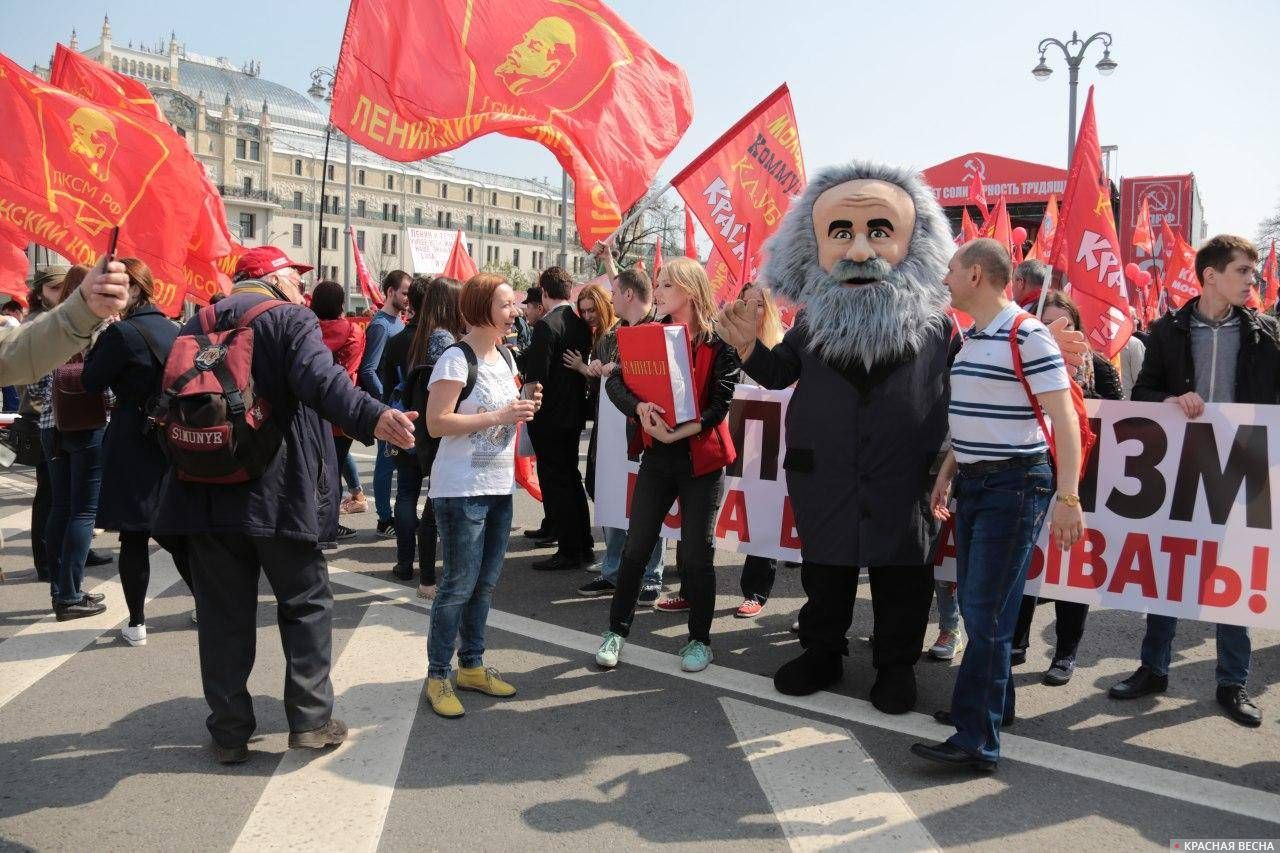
(1069,500)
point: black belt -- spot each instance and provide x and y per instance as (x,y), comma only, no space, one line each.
(991,466)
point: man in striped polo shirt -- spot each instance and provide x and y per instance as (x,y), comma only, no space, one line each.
(1000,462)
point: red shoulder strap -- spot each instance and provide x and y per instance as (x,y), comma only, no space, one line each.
(1026,386)
(208,319)
(258,310)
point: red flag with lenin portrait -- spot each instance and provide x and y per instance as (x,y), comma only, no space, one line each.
(746,177)
(418,77)
(72,169)
(1086,246)
(212,241)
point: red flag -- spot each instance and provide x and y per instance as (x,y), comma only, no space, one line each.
(998,227)
(977,195)
(1143,238)
(211,240)
(13,265)
(1269,278)
(418,77)
(690,241)
(968,231)
(527,475)
(747,177)
(362,272)
(1180,282)
(459,266)
(1086,246)
(657,258)
(1043,245)
(724,282)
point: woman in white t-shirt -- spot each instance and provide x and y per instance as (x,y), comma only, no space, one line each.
(472,479)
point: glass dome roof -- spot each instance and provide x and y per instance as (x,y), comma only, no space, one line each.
(284,105)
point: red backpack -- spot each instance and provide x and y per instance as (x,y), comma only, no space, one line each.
(213,426)
(1087,437)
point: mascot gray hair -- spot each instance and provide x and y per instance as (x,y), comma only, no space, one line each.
(870,323)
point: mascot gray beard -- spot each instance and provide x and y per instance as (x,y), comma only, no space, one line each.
(864,323)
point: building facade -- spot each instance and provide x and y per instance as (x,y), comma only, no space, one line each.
(263,145)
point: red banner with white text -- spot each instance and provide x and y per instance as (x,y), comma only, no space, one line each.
(746,178)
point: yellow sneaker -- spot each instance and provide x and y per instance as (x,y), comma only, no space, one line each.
(484,680)
(442,698)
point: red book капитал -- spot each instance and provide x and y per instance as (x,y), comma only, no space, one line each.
(657,365)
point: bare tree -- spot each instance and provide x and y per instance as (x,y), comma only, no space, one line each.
(663,220)
(1268,230)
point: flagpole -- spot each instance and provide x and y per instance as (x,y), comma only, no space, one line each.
(645,203)
(324,174)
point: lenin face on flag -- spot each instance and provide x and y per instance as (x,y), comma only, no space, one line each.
(80,145)
(548,63)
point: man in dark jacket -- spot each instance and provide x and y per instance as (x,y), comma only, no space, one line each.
(272,524)
(1211,350)
(557,428)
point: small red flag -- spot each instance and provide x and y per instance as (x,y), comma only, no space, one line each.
(724,282)
(459,265)
(362,272)
(690,240)
(1270,280)
(1087,248)
(657,258)
(968,230)
(998,227)
(977,195)
(747,177)
(419,77)
(1043,246)
(1180,282)
(1143,238)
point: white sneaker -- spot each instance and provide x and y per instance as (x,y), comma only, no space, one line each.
(134,636)
(607,657)
(595,568)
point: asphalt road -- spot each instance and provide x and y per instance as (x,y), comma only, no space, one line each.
(103,746)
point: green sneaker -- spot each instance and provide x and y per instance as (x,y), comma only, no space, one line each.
(695,657)
(607,657)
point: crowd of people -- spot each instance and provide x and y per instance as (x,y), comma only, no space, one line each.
(448,380)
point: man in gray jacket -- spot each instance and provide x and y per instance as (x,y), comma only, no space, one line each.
(29,352)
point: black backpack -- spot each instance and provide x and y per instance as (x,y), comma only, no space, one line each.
(418,392)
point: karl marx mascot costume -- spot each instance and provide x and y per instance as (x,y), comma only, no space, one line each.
(865,249)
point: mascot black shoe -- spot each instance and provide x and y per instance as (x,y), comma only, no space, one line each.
(894,691)
(814,670)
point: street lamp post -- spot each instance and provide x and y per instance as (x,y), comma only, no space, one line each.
(1105,66)
(322,89)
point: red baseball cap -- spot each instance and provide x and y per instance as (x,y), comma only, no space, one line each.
(264,260)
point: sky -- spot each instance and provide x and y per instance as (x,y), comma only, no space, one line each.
(915,83)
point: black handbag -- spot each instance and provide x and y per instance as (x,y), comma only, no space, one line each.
(23,438)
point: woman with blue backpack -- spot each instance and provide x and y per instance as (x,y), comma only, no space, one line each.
(439,326)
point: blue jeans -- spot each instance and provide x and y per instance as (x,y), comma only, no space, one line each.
(414,534)
(473,540)
(998,517)
(614,539)
(1234,649)
(75,475)
(948,609)
(383,469)
(350,473)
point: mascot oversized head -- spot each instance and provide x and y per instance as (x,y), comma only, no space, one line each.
(865,249)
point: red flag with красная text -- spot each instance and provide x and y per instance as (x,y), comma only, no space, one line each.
(419,77)
(747,177)
(1087,248)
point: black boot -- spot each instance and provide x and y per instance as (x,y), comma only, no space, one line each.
(895,690)
(1144,682)
(814,670)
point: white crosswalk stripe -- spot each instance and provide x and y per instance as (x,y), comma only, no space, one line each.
(40,648)
(339,800)
(825,790)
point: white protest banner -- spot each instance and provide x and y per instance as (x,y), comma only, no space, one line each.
(429,248)
(1181,514)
